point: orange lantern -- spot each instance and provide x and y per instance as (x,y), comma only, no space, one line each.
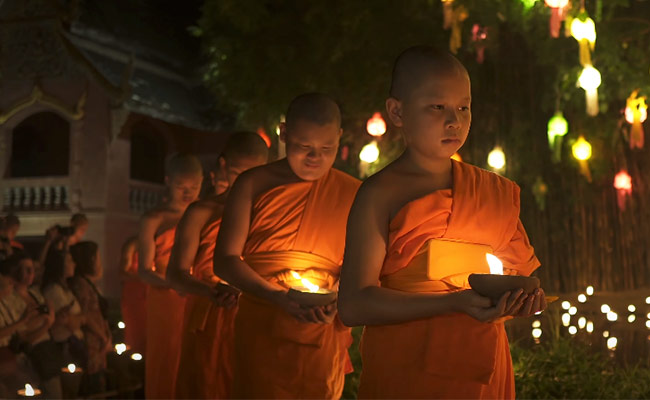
(636,112)
(376,125)
(558,13)
(623,186)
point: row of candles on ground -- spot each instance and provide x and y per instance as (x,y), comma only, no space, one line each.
(583,323)
(120,348)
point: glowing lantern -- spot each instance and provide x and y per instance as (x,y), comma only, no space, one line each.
(582,298)
(589,80)
(121,325)
(605,309)
(582,322)
(262,133)
(590,290)
(636,112)
(457,157)
(537,333)
(590,326)
(573,310)
(566,305)
(479,36)
(557,127)
(136,356)
(573,330)
(623,186)
(540,189)
(558,12)
(497,159)
(376,125)
(537,323)
(582,152)
(496,266)
(631,308)
(583,30)
(631,318)
(612,316)
(369,153)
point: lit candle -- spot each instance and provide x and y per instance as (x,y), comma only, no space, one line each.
(566,319)
(71,369)
(306,283)
(29,391)
(611,343)
(582,298)
(590,290)
(120,348)
(573,330)
(631,308)
(136,356)
(121,325)
(604,309)
(590,326)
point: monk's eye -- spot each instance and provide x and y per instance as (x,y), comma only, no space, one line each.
(437,107)
(464,108)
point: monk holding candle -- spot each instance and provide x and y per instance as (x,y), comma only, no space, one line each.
(413,235)
(205,369)
(165,307)
(282,219)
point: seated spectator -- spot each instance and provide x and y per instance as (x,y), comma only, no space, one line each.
(44,354)
(88,269)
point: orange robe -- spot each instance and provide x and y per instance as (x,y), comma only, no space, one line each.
(454,355)
(206,365)
(299,227)
(134,310)
(165,310)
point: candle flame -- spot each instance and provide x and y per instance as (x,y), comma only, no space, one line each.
(496,266)
(305,282)
(136,356)
(120,348)
(29,390)
(72,368)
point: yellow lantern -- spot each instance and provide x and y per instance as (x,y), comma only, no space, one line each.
(636,112)
(497,159)
(369,153)
(376,126)
(581,150)
(583,29)
(589,80)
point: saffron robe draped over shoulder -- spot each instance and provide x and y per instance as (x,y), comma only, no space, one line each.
(206,364)
(134,309)
(165,310)
(295,227)
(454,355)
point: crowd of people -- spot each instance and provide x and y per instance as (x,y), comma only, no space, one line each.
(51,313)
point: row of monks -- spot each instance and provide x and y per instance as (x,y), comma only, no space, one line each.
(206,289)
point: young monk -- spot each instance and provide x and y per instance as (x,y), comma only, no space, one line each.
(134,298)
(165,307)
(289,216)
(205,369)
(427,335)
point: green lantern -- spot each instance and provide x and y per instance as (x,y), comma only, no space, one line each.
(557,127)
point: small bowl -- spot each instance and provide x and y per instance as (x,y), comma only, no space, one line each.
(306,298)
(494,286)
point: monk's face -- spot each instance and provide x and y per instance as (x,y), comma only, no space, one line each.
(311,148)
(229,170)
(27,272)
(436,116)
(184,189)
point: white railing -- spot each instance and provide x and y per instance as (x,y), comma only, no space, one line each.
(35,194)
(143,196)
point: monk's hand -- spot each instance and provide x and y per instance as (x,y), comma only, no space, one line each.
(482,309)
(224,298)
(534,303)
(325,314)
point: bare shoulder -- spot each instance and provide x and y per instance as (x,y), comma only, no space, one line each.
(203,208)
(264,177)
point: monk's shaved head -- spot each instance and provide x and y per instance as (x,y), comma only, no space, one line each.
(245,145)
(183,164)
(417,63)
(316,108)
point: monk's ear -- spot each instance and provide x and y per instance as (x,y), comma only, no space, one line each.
(394,110)
(283,132)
